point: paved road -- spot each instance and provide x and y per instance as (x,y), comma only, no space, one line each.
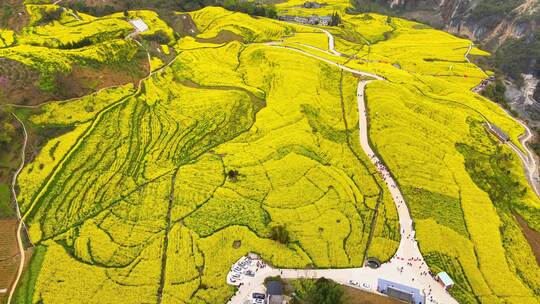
(331,45)
(467,53)
(407,257)
(406,267)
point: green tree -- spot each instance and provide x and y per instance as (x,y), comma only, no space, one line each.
(326,292)
(7,131)
(495,91)
(336,19)
(280,234)
(321,291)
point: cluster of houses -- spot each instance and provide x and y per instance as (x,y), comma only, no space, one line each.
(313,19)
(484,84)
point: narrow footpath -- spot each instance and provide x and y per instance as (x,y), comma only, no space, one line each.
(18,211)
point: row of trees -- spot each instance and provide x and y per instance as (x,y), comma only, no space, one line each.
(250,8)
(243,6)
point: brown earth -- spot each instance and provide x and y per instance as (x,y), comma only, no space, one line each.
(19,83)
(13,15)
(155,51)
(9,255)
(532,236)
(222,37)
(85,80)
(357,296)
(180,23)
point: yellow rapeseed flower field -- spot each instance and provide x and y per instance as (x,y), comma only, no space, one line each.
(159,189)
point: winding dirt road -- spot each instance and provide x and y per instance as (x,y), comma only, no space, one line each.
(529,158)
(18,211)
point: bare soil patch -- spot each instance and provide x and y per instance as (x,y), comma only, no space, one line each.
(222,37)
(19,83)
(182,24)
(13,14)
(532,236)
(357,296)
(85,80)
(9,253)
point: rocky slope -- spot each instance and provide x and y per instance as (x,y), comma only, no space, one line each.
(507,28)
(488,21)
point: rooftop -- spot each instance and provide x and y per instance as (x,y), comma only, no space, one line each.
(274,288)
(499,132)
(139,25)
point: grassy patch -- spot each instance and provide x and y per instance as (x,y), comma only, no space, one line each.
(6,209)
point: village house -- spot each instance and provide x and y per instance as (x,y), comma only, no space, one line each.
(325,20)
(274,292)
(139,25)
(500,134)
(401,292)
(313,19)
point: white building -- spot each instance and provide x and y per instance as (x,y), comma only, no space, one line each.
(444,279)
(139,25)
(325,20)
(400,291)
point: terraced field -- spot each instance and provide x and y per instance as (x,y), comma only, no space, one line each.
(140,198)
(460,183)
(160,186)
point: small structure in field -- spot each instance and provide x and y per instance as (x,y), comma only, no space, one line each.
(139,25)
(500,134)
(444,279)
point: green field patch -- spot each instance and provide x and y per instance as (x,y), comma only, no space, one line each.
(440,262)
(224,209)
(444,209)
(6,210)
